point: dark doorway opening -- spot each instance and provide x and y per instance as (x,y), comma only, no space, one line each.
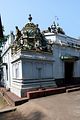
(69,66)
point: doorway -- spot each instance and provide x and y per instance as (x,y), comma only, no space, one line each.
(69,66)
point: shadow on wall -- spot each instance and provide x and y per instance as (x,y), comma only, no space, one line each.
(67,82)
(60,82)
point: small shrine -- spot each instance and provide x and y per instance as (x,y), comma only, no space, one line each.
(33,60)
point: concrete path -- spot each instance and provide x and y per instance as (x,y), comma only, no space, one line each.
(57,107)
(64,106)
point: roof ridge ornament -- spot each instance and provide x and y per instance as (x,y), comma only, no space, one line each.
(30,18)
(30,38)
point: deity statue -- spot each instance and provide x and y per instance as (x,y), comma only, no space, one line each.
(54,27)
(18,33)
(37,29)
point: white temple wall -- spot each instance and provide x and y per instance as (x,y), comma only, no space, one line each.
(37,69)
(17,70)
(77,69)
(7,73)
(58,68)
(29,74)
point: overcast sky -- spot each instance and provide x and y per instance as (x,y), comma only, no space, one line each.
(15,13)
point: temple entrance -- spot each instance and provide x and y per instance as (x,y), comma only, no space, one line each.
(69,66)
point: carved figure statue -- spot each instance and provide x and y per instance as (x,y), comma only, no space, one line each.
(49,29)
(18,33)
(60,30)
(54,27)
(37,29)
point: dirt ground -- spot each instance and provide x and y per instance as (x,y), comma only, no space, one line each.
(64,106)
(3,102)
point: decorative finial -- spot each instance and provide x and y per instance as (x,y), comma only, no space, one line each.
(30,18)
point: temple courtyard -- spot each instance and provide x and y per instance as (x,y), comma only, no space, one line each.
(65,106)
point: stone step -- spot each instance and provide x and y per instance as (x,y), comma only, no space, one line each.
(72,86)
(45,92)
(72,89)
(8,109)
(13,99)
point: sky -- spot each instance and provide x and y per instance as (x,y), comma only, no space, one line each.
(44,12)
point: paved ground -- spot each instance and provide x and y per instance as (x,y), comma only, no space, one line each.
(57,107)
